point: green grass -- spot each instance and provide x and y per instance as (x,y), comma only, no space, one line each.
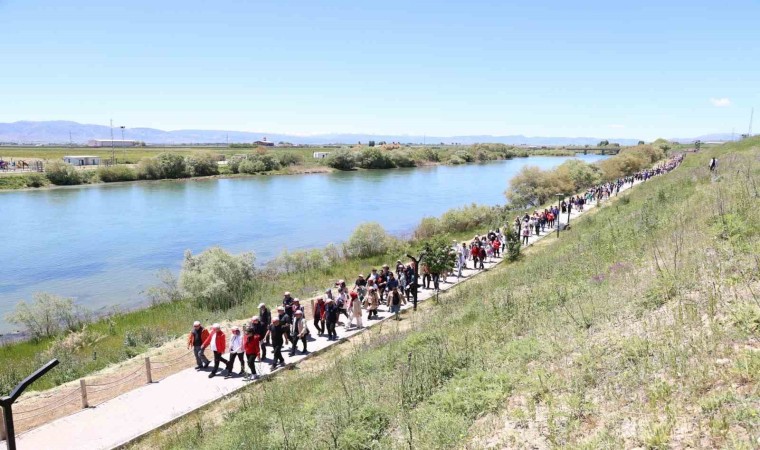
(631,330)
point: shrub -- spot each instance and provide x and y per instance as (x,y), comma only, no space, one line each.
(116,173)
(512,244)
(374,158)
(574,175)
(456,160)
(402,159)
(166,291)
(216,279)
(48,315)
(369,239)
(262,162)
(202,164)
(341,160)
(251,166)
(289,159)
(36,180)
(61,173)
(429,154)
(164,165)
(428,227)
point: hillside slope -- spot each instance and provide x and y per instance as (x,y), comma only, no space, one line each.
(640,327)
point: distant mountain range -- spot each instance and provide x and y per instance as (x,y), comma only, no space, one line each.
(59,132)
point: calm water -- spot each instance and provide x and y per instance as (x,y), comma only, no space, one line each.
(103,244)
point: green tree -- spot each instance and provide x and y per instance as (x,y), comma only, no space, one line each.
(61,173)
(603,143)
(215,279)
(439,255)
(201,164)
(48,315)
(341,160)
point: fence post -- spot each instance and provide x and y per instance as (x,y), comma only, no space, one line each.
(83,388)
(3,432)
(147,370)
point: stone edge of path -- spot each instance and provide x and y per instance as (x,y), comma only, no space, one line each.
(290,366)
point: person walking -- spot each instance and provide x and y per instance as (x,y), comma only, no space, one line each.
(319,315)
(251,343)
(265,315)
(356,309)
(195,341)
(525,234)
(275,334)
(218,342)
(394,302)
(713,164)
(372,302)
(260,330)
(331,318)
(236,352)
(298,331)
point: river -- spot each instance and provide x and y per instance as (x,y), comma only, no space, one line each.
(103,244)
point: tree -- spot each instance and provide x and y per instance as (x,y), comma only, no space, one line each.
(439,256)
(604,143)
(369,239)
(48,315)
(531,187)
(371,143)
(641,143)
(512,244)
(341,160)
(216,279)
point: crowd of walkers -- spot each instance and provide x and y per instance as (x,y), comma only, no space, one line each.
(383,288)
(538,222)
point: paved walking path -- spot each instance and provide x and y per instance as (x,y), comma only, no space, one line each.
(131,415)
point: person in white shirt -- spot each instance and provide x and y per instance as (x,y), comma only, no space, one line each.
(236,352)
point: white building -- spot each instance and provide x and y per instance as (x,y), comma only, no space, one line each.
(320,155)
(76,160)
(107,143)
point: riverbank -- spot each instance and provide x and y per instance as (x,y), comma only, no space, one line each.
(291,161)
(636,329)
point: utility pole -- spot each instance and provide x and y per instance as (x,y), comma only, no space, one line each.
(751,116)
(113,151)
(122,143)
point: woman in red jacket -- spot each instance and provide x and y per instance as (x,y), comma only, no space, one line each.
(251,346)
(217,341)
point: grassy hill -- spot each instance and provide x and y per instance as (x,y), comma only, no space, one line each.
(640,327)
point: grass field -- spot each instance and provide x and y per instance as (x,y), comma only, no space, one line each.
(637,328)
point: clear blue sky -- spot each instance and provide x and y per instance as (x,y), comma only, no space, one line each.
(554,68)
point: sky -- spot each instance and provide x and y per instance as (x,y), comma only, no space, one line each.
(642,69)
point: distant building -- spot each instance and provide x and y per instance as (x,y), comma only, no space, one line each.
(77,160)
(320,155)
(264,144)
(116,143)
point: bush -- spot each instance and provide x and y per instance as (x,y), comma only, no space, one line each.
(429,154)
(35,180)
(48,315)
(164,165)
(116,173)
(289,159)
(512,244)
(456,160)
(341,160)
(216,279)
(202,164)
(263,162)
(374,158)
(62,174)
(402,159)
(251,166)
(369,239)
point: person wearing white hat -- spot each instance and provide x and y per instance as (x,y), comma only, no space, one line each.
(195,341)
(218,342)
(236,351)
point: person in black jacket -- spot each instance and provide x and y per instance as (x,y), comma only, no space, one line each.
(260,330)
(275,334)
(331,318)
(266,318)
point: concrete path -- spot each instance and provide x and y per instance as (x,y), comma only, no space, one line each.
(125,418)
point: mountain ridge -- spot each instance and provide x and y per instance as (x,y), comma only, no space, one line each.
(61,131)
